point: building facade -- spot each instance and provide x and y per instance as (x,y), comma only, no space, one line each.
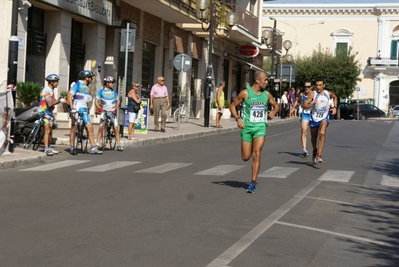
(371,30)
(66,36)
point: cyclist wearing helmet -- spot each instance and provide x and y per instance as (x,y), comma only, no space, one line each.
(107,99)
(78,97)
(46,106)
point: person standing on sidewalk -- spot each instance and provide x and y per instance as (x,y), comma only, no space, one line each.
(159,102)
(220,103)
(46,106)
(305,116)
(133,108)
(77,100)
(253,121)
(108,100)
(284,105)
(318,101)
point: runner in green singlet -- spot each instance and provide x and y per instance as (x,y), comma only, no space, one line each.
(253,121)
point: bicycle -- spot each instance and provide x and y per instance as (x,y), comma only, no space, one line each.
(80,136)
(181,113)
(35,137)
(108,134)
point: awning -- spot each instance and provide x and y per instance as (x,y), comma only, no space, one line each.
(251,66)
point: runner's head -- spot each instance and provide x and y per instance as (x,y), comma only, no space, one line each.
(320,84)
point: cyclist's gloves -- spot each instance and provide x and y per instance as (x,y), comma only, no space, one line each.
(73,111)
(62,100)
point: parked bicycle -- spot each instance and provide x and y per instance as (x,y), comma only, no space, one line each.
(182,113)
(81,135)
(108,134)
(35,136)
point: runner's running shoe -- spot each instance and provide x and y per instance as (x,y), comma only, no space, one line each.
(314,156)
(319,159)
(55,151)
(305,153)
(119,148)
(251,188)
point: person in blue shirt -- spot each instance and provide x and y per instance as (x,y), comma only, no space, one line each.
(107,100)
(78,97)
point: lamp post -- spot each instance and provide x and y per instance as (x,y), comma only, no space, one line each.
(204,11)
(270,39)
(13,63)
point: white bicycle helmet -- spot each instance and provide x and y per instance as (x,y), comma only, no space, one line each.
(109,79)
(52,78)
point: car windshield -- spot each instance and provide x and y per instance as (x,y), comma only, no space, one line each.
(396,108)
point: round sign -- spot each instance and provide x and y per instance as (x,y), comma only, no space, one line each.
(182,62)
(248,50)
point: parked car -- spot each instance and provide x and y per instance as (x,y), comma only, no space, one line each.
(396,111)
(342,111)
(365,111)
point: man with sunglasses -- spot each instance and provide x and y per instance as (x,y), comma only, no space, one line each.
(305,115)
(319,102)
(107,100)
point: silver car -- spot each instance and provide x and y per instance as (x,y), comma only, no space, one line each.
(396,111)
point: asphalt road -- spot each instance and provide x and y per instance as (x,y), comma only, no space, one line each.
(184,204)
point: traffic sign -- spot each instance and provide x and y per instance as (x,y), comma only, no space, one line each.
(358,89)
(182,62)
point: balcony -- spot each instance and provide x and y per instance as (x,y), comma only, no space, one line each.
(385,65)
(183,14)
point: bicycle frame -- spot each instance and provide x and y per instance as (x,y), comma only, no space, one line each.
(108,133)
(36,135)
(80,136)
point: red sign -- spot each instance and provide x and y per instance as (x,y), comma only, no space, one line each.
(248,50)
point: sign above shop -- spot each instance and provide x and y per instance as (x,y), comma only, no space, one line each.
(248,50)
(98,10)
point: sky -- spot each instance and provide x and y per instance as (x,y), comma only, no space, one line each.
(330,1)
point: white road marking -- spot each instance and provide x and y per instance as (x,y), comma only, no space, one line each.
(390,181)
(278,172)
(230,254)
(109,166)
(220,170)
(362,239)
(165,167)
(55,165)
(336,176)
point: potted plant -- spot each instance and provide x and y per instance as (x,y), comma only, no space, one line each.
(28,93)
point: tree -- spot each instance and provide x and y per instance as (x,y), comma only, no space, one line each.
(340,72)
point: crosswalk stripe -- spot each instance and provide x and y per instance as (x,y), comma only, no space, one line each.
(55,165)
(336,176)
(278,172)
(109,166)
(165,168)
(390,181)
(220,170)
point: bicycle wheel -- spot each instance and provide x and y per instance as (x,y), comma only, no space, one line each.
(111,139)
(80,139)
(104,136)
(39,137)
(183,113)
(31,137)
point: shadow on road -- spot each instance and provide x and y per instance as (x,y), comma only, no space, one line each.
(234,184)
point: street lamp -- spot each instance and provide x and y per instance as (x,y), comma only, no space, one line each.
(270,39)
(205,14)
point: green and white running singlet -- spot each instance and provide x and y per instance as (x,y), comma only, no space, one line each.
(254,115)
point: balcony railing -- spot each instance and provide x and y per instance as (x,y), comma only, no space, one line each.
(246,20)
(384,62)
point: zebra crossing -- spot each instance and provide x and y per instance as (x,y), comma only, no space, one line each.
(275,172)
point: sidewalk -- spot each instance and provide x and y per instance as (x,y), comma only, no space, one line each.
(192,129)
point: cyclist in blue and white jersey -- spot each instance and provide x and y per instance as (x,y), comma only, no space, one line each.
(305,116)
(107,99)
(78,97)
(319,118)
